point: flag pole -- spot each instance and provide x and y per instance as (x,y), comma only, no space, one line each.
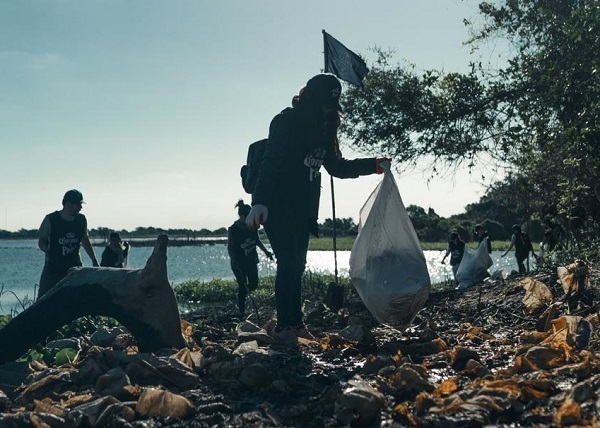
(326,70)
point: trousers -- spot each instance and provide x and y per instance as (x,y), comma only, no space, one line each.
(289,241)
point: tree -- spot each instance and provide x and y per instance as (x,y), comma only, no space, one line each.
(537,118)
(343,227)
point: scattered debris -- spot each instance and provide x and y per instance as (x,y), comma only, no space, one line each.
(514,351)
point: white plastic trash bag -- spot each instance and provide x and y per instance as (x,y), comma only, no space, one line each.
(473,268)
(387,265)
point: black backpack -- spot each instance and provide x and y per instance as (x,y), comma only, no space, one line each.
(249,172)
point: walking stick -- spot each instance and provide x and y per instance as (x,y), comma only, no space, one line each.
(334,230)
(334,298)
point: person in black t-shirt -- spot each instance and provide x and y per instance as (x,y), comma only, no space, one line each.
(456,250)
(522,245)
(241,246)
(115,253)
(59,237)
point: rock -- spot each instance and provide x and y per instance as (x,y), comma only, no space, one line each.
(255,375)
(112,382)
(360,403)
(71,342)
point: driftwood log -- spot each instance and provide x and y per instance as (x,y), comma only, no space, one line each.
(140,299)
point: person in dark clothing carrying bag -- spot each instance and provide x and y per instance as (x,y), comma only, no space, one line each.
(60,236)
(456,251)
(287,192)
(482,234)
(522,245)
(241,246)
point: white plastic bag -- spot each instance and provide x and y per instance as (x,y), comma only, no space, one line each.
(387,265)
(473,268)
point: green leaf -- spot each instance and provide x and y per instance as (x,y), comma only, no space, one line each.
(66,356)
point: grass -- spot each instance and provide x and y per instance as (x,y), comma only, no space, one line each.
(196,293)
(343,243)
(193,293)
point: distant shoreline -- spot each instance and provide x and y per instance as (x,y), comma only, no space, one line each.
(173,242)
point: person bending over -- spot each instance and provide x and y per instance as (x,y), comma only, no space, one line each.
(287,192)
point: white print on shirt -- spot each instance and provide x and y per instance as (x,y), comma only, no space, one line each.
(68,243)
(248,246)
(314,161)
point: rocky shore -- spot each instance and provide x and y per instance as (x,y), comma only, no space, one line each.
(520,351)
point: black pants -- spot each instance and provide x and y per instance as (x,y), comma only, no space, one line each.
(247,280)
(289,241)
(520,262)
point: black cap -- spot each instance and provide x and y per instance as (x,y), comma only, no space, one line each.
(73,196)
(327,89)
(114,235)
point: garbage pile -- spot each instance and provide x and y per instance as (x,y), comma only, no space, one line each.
(519,351)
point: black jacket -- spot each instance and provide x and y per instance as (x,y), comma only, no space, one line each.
(289,181)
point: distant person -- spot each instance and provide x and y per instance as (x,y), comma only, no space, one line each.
(456,251)
(302,138)
(115,254)
(522,245)
(60,236)
(553,235)
(481,234)
(241,246)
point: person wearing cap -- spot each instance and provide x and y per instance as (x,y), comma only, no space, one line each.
(60,236)
(522,245)
(115,253)
(483,235)
(241,247)
(456,251)
(286,196)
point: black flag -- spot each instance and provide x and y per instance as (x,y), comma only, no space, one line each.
(344,63)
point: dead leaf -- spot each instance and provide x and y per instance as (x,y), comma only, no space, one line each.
(156,402)
(569,413)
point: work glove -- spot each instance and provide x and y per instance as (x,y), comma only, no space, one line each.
(258,215)
(382,165)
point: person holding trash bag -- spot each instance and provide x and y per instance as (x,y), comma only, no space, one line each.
(522,245)
(482,234)
(287,192)
(241,246)
(456,250)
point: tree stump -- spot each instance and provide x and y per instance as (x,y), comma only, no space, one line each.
(140,299)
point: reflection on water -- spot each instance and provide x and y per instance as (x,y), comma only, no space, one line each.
(323,262)
(21,264)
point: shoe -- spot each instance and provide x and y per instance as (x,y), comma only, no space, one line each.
(285,335)
(302,331)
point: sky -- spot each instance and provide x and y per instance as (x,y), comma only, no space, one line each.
(147,107)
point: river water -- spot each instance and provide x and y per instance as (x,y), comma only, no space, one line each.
(21,263)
